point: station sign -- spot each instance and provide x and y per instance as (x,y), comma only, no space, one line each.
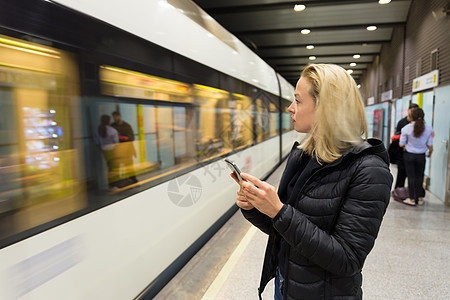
(426,81)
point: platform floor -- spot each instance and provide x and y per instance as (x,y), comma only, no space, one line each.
(410,260)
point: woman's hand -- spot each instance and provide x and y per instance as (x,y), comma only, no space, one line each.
(241,199)
(261,195)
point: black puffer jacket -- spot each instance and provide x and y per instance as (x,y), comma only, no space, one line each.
(330,224)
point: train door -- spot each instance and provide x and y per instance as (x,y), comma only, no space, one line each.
(174,128)
(165,136)
(41,180)
(150,134)
(261,119)
(11,187)
(180,133)
(439,160)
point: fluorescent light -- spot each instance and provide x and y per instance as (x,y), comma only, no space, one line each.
(371,28)
(356,56)
(305,31)
(353,65)
(312,58)
(299,7)
(384,1)
(309,47)
(349,71)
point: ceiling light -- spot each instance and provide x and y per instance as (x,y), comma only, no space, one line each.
(305,31)
(358,86)
(312,58)
(356,56)
(384,1)
(371,28)
(309,47)
(349,71)
(353,65)
(299,7)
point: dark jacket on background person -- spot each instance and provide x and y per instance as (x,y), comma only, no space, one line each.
(396,154)
(126,135)
(402,123)
(395,151)
(329,224)
(124,129)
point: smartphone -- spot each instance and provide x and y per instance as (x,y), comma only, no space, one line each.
(233,167)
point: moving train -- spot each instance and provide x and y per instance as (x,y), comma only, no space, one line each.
(115,118)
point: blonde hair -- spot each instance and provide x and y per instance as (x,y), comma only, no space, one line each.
(340,120)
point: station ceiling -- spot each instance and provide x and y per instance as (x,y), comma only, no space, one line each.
(338,30)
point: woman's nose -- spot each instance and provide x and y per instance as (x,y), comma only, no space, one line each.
(291,108)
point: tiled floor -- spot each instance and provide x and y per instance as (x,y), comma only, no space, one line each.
(410,260)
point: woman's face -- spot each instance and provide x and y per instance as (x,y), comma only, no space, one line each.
(303,108)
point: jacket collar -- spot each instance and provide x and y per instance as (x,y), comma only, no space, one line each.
(370,146)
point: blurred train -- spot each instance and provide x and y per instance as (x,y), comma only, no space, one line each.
(172,93)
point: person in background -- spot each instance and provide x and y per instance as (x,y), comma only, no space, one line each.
(323,221)
(401,172)
(126,136)
(106,138)
(417,138)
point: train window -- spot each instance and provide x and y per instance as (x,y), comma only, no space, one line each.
(40,158)
(274,120)
(214,116)
(153,139)
(241,121)
(125,83)
(261,120)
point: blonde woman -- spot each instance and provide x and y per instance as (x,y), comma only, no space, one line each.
(323,221)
